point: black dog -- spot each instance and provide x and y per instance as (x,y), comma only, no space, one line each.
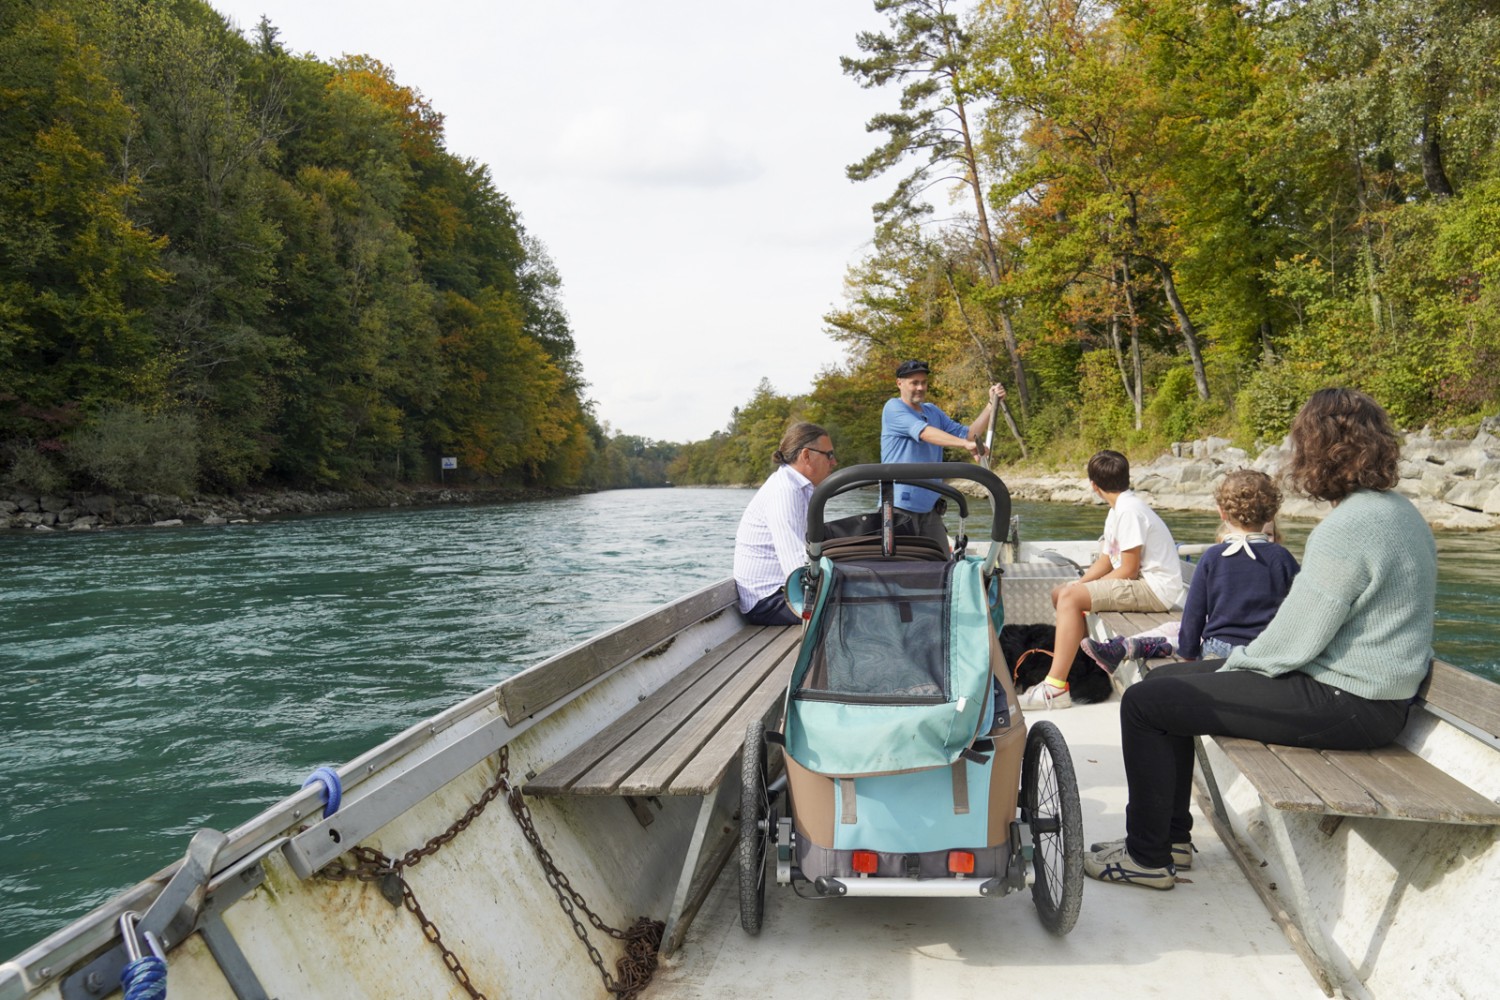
(1028,653)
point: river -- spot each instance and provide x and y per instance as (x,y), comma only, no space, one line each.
(153,682)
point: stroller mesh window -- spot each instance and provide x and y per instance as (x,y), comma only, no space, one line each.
(883,636)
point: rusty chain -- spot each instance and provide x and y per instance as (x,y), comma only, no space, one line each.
(643,938)
(638,965)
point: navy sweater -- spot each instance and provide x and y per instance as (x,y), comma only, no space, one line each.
(1233,599)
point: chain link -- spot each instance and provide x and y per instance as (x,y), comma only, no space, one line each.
(642,939)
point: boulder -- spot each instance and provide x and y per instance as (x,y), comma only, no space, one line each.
(1469,493)
(99,504)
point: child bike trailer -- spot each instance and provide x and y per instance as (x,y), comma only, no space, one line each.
(908,767)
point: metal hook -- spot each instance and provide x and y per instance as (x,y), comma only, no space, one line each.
(128,921)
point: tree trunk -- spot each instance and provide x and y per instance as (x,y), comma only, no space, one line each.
(1432,162)
(1184,326)
(1137,398)
(988,253)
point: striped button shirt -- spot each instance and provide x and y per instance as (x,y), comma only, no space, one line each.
(772,537)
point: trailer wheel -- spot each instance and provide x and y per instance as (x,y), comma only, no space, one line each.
(1049,803)
(755,828)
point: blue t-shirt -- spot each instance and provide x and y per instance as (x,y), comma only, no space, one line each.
(901,441)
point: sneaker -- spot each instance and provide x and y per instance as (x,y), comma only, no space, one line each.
(1116,865)
(1147,647)
(1107,654)
(1182,854)
(1044,695)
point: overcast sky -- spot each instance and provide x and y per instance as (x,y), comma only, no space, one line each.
(682,160)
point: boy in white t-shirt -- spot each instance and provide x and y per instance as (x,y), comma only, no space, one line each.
(1136,571)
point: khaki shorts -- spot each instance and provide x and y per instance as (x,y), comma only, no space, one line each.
(1123,595)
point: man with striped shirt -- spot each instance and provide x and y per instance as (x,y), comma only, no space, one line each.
(772,536)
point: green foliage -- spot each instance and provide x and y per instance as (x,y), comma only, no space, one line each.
(125,448)
(29,469)
(1175,410)
(1274,393)
(1105,417)
(279,251)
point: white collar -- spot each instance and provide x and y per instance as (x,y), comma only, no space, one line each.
(1241,543)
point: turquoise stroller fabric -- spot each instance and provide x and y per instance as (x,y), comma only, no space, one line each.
(894,671)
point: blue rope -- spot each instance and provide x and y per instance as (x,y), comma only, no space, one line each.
(145,979)
(329,779)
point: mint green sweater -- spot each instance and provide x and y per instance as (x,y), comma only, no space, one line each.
(1359,614)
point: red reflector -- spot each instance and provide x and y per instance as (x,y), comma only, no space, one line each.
(961,862)
(865,862)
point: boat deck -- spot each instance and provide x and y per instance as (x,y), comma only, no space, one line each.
(1129,941)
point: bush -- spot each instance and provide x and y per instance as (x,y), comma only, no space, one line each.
(1175,410)
(127,449)
(31,470)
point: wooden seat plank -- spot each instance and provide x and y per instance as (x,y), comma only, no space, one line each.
(567,772)
(1411,788)
(707,769)
(1466,697)
(653,773)
(557,677)
(1271,777)
(1342,794)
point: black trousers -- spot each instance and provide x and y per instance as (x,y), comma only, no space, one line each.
(773,610)
(1160,716)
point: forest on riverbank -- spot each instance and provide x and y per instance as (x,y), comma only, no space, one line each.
(223,265)
(1165,219)
(226,266)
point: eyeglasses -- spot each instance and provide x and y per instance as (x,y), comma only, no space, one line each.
(820,451)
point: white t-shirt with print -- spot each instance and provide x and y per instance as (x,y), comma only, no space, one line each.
(1132,523)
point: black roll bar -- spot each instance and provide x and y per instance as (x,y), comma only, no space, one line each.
(915,474)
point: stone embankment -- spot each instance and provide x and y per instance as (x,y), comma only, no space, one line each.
(84,512)
(1453,477)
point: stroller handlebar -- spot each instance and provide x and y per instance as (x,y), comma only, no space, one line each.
(916,474)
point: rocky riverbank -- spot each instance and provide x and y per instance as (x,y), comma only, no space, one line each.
(89,512)
(1452,476)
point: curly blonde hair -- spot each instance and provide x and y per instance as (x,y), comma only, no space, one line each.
(1249,499)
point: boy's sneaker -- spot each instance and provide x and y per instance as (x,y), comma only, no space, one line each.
(1045,696)
(1182,854)
(1116,865)
(1147,647)
(1107,654)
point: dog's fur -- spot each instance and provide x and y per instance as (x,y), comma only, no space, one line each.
(1087,682)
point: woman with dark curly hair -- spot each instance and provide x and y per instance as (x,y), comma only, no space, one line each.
(1337,667)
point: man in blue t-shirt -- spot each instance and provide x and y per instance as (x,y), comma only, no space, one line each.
(914,430)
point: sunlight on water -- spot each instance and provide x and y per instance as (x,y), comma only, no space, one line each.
(156,681)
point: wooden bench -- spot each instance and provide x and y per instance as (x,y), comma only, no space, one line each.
(682,741)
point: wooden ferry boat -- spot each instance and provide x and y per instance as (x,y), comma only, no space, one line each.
(507,846)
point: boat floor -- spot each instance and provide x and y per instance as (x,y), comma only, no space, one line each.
(1210,936)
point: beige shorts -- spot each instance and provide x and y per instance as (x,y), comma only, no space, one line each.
(1123,595)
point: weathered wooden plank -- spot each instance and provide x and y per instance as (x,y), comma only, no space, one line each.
(656,772)
(1408,787)
(1272,779)
(1464,696)
(1342,794)
(562,775)
(555,678)
(650,741)
(707,769)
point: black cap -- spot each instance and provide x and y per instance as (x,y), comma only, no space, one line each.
(909,368)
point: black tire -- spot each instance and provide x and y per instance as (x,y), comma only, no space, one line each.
(1049,803)
(755,832)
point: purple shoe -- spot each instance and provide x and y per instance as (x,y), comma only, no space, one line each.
(1107,654)
(1147,647)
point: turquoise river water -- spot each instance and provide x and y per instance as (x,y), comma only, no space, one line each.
(153,682)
